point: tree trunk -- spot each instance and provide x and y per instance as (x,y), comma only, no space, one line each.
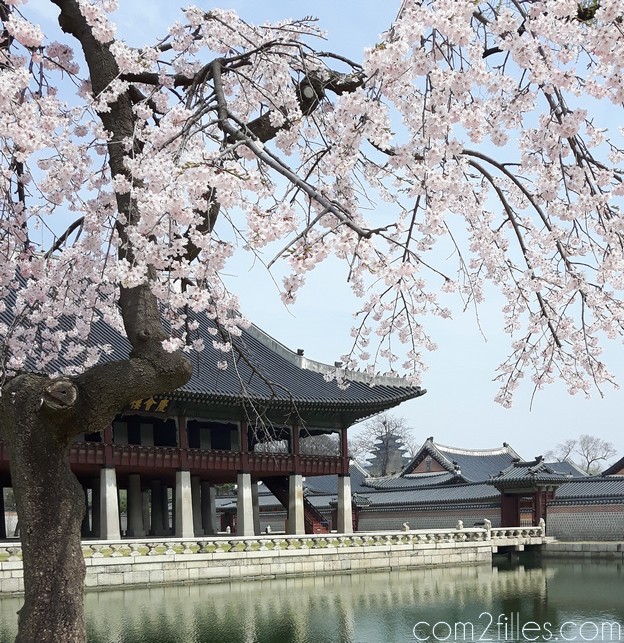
(50,505)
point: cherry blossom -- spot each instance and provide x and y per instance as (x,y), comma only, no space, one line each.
(486,132)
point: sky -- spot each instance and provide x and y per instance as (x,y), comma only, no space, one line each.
(459,407)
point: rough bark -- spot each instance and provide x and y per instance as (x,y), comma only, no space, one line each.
(39,418)
(50,504)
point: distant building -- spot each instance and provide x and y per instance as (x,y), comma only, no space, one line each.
(389,456)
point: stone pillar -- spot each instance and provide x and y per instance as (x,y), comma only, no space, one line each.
(145,507)
(196,495)
(96,503)
(244,506)
(135,528)
(296,523)
(183,505)
(209,508)
(85,528)
(345,512)
(109,506)
(255,503)
(156,527)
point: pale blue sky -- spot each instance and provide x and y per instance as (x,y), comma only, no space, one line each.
(458,408)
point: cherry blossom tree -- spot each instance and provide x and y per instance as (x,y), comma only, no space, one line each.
(474,146)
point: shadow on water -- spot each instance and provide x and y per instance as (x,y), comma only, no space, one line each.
(463,604)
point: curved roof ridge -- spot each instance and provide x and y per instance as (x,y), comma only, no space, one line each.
(477,452)
(299,360)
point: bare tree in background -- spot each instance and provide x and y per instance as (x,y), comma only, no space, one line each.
(587,451)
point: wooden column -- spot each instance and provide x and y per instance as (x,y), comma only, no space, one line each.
(183,442)
(244,445)
(295,448)
(344,451)
(108,446)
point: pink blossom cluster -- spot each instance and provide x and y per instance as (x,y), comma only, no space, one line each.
(484,132)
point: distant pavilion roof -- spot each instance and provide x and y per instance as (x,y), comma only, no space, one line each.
(413,481)
(470,465)
(567,466)
(616,469)
(528,475)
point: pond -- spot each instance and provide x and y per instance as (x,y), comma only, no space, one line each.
(574,601)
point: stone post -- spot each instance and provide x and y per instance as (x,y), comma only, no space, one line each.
(296,522)
(209,508)
(135,529)
(184,505)
(157,525)
(145,506)
(244,506)
(109,506)
(345,511)
(196,499)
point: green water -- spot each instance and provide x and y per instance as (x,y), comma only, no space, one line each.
(573,601)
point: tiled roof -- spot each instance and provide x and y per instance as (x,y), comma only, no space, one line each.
(412,482)
(435,495)
(615,468)
(567,466)
(452,494)
(329,484)
(473,465)
(592,487)
(260,369)
(520,474)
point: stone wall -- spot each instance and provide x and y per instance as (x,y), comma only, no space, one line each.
(130,563)
(585,521)
(584,550)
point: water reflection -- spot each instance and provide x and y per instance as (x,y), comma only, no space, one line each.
(364,608)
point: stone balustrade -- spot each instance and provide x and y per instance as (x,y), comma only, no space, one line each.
(151,561)
(277,542)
